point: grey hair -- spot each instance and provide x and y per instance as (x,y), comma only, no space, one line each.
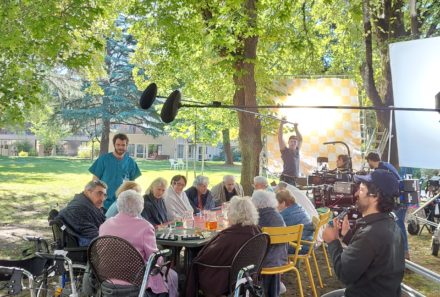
(263,199)
(130,202)
(201,180)
(160,181)
(228,177)
(281,186)
(261,180)
(91,185)
(242,211)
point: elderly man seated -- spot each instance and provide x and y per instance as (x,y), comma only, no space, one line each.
(83,214)
(129,225)
(225,190)
(199,196)
(261,183)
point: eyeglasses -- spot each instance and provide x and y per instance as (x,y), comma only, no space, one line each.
(101,193)
(180,184)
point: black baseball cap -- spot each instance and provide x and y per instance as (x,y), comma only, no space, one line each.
(384,180)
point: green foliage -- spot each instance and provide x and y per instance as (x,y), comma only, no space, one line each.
(37,35)
(85,151)
(113,97)
(23,154)
(23,146)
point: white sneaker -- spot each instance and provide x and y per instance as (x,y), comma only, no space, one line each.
(282,288)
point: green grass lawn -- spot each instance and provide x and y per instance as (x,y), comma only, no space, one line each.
(31,186)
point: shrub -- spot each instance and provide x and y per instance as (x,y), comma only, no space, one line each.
(85,151)
(23,146)
(23,154)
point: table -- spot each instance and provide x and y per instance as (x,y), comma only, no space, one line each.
(192,247)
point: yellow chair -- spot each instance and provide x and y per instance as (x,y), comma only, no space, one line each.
(318,223)
(326,217)
(292,236)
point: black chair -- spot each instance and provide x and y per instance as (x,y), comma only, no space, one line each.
(252,252)
(112,257)
(65,238)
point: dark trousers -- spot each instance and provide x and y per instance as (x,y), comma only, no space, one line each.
(288,179)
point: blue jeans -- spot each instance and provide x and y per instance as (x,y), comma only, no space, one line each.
(400,213)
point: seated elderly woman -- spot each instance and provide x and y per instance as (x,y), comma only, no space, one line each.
(176,201)
(199,196)
(127,185)
(155,210)
(294,214)
(267,204)
(128,224)
(221,249)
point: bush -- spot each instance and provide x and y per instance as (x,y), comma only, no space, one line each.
(23,154)
(23,146)
(236,155)
(33,152)
(85,151)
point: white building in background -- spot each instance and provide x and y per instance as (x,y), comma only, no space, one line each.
(141,146)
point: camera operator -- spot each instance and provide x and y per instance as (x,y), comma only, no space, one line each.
(290,154)
(373,263)
(400,210)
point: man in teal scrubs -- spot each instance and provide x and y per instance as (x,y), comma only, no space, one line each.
(115,168)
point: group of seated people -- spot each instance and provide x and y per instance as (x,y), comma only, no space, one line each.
(134,218)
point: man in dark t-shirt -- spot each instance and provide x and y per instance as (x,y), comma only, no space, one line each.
(290,154)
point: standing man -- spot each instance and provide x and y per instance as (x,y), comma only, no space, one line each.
(400,210)
(290,155)
(373,263)
(115,168)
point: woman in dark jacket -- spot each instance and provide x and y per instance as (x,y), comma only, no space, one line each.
(155,210)
(267,204)
(220,251)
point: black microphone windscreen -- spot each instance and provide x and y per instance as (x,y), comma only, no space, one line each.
(171,107)
(148,96)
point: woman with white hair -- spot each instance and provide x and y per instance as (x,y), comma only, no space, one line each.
(155,210)
(128,225)
(267,205)
(221,249)
(199,196)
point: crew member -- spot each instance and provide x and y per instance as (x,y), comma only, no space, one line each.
(290,154)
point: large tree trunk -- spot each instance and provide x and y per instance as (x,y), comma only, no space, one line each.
(246,95)
(105,137)
(227,147)
(388,20)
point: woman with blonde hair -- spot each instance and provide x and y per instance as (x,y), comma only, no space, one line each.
(155,210)
(127,185)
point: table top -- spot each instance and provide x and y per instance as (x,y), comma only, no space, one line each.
(180,234)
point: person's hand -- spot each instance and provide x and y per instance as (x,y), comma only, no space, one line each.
(331,233)
(345,226)
(295,125)
(283,120)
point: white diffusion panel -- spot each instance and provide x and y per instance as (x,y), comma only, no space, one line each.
(415,68)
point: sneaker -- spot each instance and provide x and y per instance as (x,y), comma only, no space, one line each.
(282,288)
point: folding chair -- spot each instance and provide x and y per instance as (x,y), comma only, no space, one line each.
(252,252)
(289,235)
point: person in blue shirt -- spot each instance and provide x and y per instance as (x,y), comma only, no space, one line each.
(374,162)
(294,214)
(114,168)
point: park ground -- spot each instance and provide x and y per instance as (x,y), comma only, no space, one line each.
(30,187)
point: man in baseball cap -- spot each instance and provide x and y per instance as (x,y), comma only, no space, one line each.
(373,262)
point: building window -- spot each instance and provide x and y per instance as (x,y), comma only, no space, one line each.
(180,151)
(130,149)
(140,151)
(154,150)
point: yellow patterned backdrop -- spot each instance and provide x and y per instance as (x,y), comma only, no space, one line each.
(318,125)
